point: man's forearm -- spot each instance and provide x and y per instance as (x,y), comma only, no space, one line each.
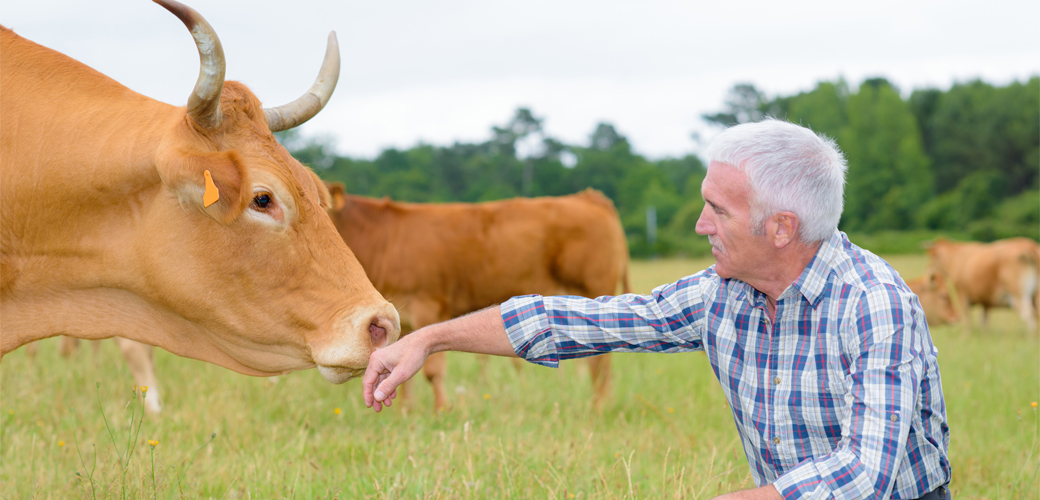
(481,332)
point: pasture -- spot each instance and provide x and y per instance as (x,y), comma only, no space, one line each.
(667,432)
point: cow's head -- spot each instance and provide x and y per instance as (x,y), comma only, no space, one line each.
(935,298)
(248,255)
(940,253)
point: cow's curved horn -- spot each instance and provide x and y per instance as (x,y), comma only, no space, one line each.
(299,111)
(204,103)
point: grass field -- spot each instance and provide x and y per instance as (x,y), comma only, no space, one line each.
(667,432)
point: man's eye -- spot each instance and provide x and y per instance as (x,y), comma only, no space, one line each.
(262,201)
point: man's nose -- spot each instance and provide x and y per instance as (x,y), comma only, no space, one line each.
(704,226)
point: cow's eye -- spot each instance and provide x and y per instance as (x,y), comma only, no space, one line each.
(262,202)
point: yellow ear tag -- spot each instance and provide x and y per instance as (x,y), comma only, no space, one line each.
(212,194)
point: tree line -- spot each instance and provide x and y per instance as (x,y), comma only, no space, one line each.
(962,162)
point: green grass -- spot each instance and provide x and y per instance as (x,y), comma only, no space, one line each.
(667,432)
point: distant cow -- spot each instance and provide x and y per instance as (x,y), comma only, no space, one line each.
(189,228)
(935,299)
(439,261)
(999,274)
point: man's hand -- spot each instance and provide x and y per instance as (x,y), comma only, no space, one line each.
(481,332)
(391,366)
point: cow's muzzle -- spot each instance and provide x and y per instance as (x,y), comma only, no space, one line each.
(365,330)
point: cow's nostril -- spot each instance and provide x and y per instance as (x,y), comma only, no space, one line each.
(378,335)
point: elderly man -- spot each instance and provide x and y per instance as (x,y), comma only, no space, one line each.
(822,350)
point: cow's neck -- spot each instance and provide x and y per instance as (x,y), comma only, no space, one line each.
(368,226)
(78,172)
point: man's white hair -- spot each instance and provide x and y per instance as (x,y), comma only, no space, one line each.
(791,169)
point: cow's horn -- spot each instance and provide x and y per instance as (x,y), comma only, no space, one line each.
(299,111)
(204,103)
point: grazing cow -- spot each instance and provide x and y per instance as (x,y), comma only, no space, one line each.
(999,274)
(439,261)
(935,299)
(189,228)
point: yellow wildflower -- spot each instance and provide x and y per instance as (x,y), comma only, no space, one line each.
(487,396)
(671,410)
(144,389)
(337,411)
(153,443)
(61,443)
(1033,404)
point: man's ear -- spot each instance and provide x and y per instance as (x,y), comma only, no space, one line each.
(785,228)
(338,193)
(222,194)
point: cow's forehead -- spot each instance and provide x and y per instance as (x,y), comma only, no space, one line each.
(252,137)
(296,177)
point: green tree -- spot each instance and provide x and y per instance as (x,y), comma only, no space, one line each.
(744,104)
(823,109)
(889,174)
(976,126)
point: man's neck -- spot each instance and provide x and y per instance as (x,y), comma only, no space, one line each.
(790,263)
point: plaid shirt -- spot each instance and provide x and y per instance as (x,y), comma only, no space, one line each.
(841,398)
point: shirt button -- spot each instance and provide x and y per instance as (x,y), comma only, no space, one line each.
(895,418)
(776,440)
(776,381)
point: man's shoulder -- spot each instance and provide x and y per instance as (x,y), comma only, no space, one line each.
(860,268)
(707,287)
(707,281)
(877,297)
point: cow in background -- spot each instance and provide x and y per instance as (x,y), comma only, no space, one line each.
(189,228)
(1003,273)
(440,261)
(935,298)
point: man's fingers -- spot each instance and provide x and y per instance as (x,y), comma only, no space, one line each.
(388,387)
(374,374)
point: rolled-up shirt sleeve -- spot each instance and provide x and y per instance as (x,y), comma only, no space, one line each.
(884,387)
(546,329)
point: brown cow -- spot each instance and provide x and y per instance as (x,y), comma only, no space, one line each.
(189,228)
(439,261)
(935,299)
(999,274)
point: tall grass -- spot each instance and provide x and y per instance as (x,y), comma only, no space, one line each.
(667,432)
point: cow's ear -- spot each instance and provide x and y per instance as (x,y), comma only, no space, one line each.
(337,191)
(932,278)
(215,182)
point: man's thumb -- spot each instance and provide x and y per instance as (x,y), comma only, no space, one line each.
(387,386)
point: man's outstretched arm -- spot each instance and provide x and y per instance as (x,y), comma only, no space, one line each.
(481,332)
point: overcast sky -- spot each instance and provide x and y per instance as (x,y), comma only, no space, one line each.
(446,70)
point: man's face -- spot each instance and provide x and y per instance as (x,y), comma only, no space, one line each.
(726,221)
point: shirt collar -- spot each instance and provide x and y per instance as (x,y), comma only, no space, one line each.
(813,280)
